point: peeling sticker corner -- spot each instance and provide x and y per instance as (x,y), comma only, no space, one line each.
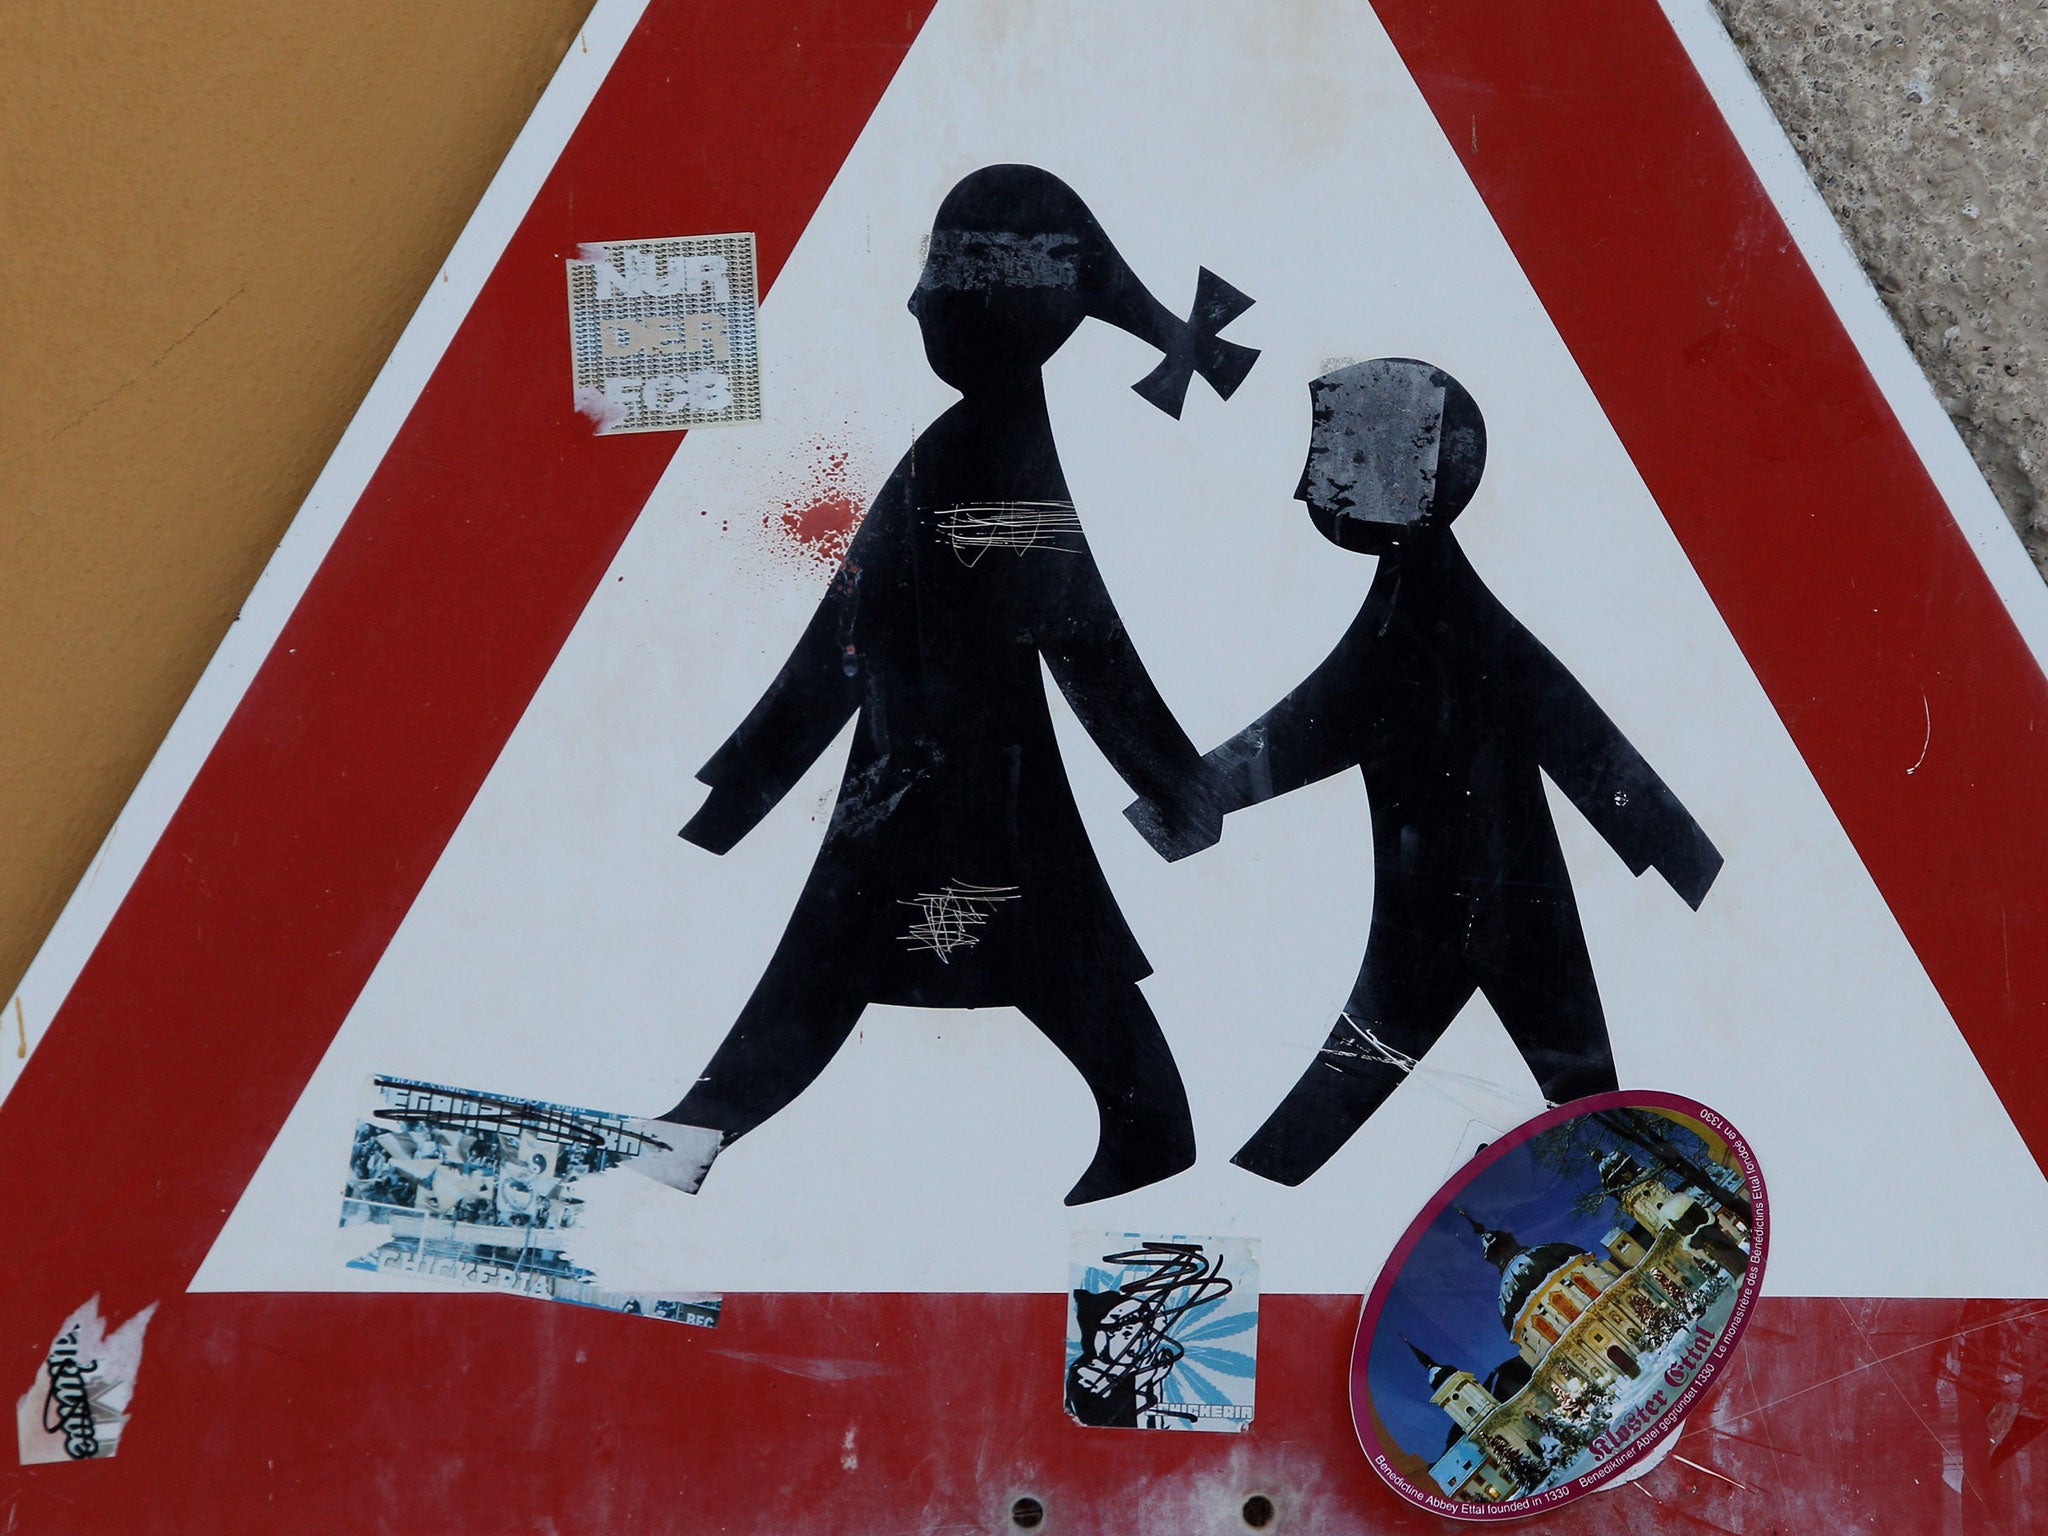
(608,414)
(77,1408)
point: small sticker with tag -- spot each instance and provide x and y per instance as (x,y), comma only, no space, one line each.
(1162,1332)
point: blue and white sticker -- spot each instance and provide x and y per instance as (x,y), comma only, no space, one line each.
(492,1191)
(1162,1332)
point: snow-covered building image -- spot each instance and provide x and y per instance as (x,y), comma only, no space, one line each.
(1605,1343)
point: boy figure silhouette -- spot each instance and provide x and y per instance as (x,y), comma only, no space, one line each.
(1454,713)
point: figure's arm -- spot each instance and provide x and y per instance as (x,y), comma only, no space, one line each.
(1602,773)
(1309,735)
(812,697)
(1091,657)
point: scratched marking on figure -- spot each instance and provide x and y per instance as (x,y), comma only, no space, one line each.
(977,527)
(21,1024)
(1369,1050)
(954,915)
(1373,1049)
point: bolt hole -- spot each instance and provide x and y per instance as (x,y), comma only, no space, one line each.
(1258,1511)
(1027,1514)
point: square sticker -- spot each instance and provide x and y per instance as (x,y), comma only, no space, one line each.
(1162,1332)
(663,334)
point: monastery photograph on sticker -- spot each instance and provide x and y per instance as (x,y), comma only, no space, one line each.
(1553,1313)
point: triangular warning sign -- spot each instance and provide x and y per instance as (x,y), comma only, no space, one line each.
(1670,684)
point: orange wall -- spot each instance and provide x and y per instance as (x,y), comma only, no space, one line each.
(218,215)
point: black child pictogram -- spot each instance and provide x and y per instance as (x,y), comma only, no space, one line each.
(955,872)
(1454,713)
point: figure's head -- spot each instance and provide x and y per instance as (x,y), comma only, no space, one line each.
(1016,262)
(1395,452)
(1013,250)
(1123,1333)
(1113,1326)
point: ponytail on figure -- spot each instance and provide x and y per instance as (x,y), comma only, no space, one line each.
(1019,228)
(1191,345)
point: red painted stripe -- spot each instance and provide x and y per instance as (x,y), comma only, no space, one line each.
(1785,475)
(333,1415)
(454,582)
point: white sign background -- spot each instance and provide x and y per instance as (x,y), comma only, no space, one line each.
(569,946)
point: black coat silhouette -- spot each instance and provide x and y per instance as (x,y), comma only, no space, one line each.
(1453,713)
(955,871)
(954,783)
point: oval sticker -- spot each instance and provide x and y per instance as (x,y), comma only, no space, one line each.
(1559,1305)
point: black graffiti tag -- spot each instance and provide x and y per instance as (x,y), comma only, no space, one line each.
(1128,1347)
(67,1407)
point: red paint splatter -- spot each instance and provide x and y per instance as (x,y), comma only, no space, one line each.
(817,522)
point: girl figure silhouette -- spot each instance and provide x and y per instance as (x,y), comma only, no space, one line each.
(955,872)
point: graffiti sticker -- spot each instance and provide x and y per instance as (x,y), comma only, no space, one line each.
(491,1191)
(1162,1332)
(79,1405)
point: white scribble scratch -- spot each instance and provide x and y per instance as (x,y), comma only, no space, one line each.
(1927,710)
(1373,1048)
(1369,1050)
(953,914)
(975,528)
(1709,1471)
(1723,1420)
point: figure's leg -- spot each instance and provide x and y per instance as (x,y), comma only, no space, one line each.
(1115,1043)
(1541,985)
(791,1027)
(1408,991)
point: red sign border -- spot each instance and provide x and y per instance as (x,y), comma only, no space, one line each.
(363,736)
